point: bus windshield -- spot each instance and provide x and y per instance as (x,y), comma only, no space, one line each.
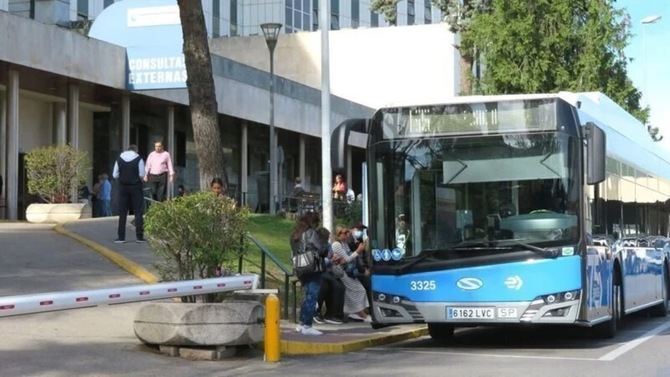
(493,192)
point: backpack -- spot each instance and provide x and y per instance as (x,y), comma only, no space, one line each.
(305,258)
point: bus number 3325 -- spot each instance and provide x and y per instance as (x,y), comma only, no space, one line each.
(422,285)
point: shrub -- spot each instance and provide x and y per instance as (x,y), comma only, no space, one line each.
(197,235)
(348,214)
(55,172)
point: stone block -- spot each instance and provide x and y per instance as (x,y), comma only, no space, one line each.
(215,353)
(57,213)
(169,350)
(221,324)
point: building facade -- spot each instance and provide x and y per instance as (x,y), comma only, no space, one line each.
(59,86)
(230,18)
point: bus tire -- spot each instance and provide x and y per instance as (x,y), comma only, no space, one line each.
(441,332)
(661,310)
(608,329)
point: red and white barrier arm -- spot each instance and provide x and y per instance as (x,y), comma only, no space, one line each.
(46,302)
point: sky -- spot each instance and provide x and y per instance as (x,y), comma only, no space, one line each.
(650,49)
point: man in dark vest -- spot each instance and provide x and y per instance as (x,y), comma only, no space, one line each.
(129,170)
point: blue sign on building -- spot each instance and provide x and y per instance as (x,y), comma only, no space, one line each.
(150,30)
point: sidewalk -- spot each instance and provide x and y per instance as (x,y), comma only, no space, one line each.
(139,260)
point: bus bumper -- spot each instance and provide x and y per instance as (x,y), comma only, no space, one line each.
(558,308)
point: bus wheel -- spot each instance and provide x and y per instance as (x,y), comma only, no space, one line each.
(441,332)
(661,310)
(608,329)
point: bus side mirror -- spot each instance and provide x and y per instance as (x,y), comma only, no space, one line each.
(339,140)
(596,154)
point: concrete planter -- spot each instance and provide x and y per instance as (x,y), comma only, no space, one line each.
(57,213)
(230,323)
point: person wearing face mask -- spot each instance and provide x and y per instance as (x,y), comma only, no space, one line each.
(357,242)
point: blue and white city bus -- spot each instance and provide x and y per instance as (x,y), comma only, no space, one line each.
(539,209)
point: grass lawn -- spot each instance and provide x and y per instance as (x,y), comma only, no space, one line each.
(272,232)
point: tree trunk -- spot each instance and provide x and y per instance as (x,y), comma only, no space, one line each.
(202,94)
(466,75)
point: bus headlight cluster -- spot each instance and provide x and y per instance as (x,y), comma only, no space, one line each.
(555,298)
(388,299)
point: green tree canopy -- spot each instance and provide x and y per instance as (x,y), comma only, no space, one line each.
(388,8)
(551,45)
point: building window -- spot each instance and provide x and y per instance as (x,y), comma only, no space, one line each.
(334,14)
(355,13)
(233,18)
(180,146)
(428,13)
(82,8)
(216,18)
(374,19)
(315,15)
(297,14)
(410,12)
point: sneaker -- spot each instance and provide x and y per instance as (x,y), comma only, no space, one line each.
(368,319)
(118,240)
(355,317)
(299,328)
(309,330)
(319,319)
(332,321)
(141,240)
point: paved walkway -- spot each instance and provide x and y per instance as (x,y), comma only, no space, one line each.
(99,234)
(103,231)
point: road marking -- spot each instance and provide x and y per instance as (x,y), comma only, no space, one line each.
(625,347)
(489,354)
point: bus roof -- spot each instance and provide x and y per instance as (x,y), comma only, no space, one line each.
(627,138)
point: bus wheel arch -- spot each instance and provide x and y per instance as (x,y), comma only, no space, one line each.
(608,329)
(661,310)
(618,298)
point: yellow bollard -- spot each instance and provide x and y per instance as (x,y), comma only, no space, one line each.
(272,350)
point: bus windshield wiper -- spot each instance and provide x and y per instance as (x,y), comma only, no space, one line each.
(548,253)
(425,254)
(477,245)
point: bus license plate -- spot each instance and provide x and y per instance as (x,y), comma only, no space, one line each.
(470,313)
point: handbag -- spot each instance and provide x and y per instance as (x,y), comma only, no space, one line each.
(305,260)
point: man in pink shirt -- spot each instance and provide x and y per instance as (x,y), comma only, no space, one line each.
(158,171)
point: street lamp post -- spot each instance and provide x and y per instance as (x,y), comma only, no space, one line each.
(271,33)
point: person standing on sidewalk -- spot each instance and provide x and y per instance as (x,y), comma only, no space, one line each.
(105,196)
(129,170)
(159,171)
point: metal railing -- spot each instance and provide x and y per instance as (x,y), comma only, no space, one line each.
(265,254)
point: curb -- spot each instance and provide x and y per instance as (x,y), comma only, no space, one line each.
(116,258)
(293,348)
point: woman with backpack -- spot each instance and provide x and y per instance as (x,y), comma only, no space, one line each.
(309,250)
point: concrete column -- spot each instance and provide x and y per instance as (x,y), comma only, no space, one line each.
(244,169)
(348,167)
(301,161)
(12,178)
(73,115)
(73,124)
(3,144)
(59,122)
(125,122)
(170,145)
